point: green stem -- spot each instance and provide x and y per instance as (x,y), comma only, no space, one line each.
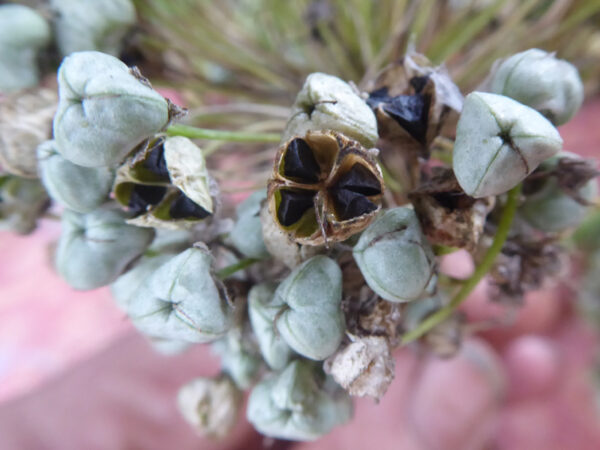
(484,267)
(227,271)
(221,135)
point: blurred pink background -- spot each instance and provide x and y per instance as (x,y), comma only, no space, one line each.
(74,374)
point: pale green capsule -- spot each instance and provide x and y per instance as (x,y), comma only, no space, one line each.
(310,319)
(275,351)
(95,248)
(551,209)
(22,202)
(182,300)
(538,79)
(78,188)
(298,404)
(23,33)
(395,258)
(92,24)
(239,358)
(104,111)
(498,143)
(327,103)
(247,235)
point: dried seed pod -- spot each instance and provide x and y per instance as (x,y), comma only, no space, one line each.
(183,300)
(498,143)
(246,234)
(540,80)
(447,215)
(23,33)
(22,202)
(104,110)
(92,24)
(310,318)
(262,312)
(415,102)
(327,103)
(363,368)
(25,122)
(210,405)
(325,188)
(395,258)
(166,184)
(95,248)
(78,188)
(299,403)
(559,192)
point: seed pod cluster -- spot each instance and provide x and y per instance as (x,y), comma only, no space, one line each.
(325,188)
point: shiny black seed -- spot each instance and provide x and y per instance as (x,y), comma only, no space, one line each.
(350,204)
(155,161)
(378,96)
(293,205)
(410,111)
(184,208)
(419,83)
(300,162)
(143,196)
(361,180)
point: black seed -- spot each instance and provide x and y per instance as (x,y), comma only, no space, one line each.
(361,180)
(410,111)
(419,83)
(184,208)
(293,205)
(155,161)
(300,162)
(378,96)
(350,204)
(143,196)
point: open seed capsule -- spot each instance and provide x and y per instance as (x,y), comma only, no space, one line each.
(325,188)
(166,184)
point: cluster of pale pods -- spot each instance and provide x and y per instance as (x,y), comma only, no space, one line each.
(337,274)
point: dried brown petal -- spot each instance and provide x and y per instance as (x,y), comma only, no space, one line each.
(364,368)
(25,122)
(325,188)
(448,216)
(524,266)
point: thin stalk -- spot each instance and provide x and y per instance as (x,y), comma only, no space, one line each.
(484,267)
(221,135)
(227,271)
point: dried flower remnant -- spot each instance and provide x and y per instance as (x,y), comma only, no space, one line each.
(210,405)
(325,188)
(166,184)
(364,367)
(448,216)
(524,266)
(25,122)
